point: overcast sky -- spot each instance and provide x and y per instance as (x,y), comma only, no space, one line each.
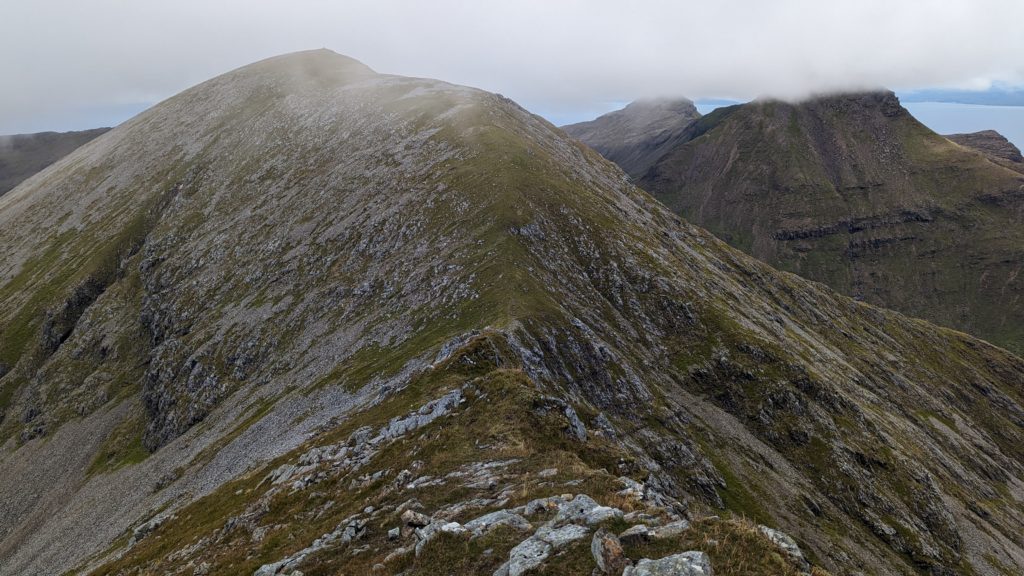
(76,63)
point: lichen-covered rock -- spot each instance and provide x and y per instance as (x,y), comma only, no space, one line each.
(788,545)
(601,514)
(577,509)
(635,534)
(607,552)
(685,564)
(670,530)
(559,537)
(427,533)
(527,555)
(487,522)
(415,519)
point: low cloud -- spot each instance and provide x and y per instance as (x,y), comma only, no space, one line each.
(64,59)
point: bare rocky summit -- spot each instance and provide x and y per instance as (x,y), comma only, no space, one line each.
(305,318)
(636,136)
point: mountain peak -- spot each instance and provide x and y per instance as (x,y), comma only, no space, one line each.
(882,100)
(634,136)
(304,317)
(322,65)
(319,56)
(668,105)
(885,101)
(851,190)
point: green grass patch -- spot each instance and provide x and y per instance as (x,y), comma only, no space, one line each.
(123,446)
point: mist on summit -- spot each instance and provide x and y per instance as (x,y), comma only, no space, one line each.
(362,310)
(561,59)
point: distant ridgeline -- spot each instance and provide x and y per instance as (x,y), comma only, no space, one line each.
(852,191)
(23,155)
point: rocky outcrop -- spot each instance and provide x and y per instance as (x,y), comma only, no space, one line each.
(787,545)
(685,564)
(993,145)
(607,552)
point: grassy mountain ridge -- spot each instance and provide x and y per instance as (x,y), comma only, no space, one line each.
(304,288)
(852,191)
(994,146)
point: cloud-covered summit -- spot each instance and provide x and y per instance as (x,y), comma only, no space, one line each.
(67,57)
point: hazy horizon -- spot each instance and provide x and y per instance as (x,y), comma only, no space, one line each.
(68,64)
(942,117)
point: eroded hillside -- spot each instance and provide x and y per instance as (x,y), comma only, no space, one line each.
(306,317)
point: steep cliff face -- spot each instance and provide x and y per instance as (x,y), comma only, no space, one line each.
(309,317)
(636,136)
(994,146)
(852,191)
(22,155)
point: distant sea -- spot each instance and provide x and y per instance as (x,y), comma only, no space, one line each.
(953,118)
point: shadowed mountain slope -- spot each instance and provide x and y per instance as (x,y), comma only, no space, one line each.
(636,136)
(22,155)
(854,192)
(308,317)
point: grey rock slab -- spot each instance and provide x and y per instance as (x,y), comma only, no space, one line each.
(576,510)
(635,534)
(685,564)
(560,537)
(432,530)
(786,543)
(527,555)
(601,514)
(488,522)
(541,505)
(414,518)
(670,530)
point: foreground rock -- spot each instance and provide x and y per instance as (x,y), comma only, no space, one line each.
(685,564)
(607,552)
(788,545)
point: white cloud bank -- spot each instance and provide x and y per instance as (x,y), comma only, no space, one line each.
(59,58)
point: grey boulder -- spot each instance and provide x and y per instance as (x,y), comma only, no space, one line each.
(685,564)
